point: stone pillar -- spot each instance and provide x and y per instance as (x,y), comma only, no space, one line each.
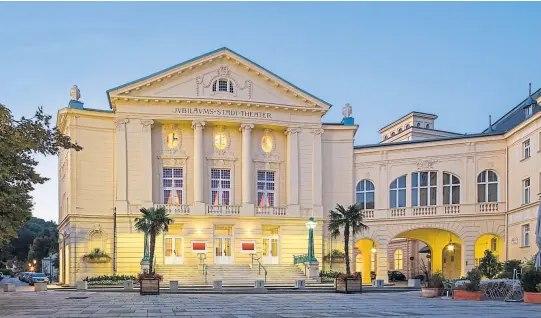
(317,174)
(292,171)
(382,264)
(146,161)
(468,257)
(121,200)
(199,173)
(247,166)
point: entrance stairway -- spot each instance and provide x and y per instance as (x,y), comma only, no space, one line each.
(232,275)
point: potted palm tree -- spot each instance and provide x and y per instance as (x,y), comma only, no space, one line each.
(472,289)
(351,221)
(152,223)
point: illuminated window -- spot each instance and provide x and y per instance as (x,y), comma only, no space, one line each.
(267,143)
(220,141)
(398,259)
(173,184)
(172,140)
(265,189)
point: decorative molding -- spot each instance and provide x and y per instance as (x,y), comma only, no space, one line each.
(221,162)
(317,131)
(426,163)
(166,130)
(267,165)
(292,130)
(174,162)
(120,123)
(222,72)
(248,127)
(147,124)
(198,124)
(225,151)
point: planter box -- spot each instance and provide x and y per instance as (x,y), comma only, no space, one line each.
(430,292)
(40,287)
(349,285)
(150,287)
(468,295)
(532,298)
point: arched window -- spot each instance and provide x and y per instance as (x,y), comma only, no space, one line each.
(427,126)
(393,133)
(424,188)
(451,189)
(397,193)
(385,137)
(398,259)
(364,194)
(399,130)
(418,124)
(487,186)
(96,240)
(223,85)
(407,126)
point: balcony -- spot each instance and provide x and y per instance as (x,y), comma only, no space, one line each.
(270,211)
(223,209)
(176,209)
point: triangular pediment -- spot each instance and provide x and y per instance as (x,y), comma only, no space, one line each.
(221,75)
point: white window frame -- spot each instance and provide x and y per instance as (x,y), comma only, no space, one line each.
(526,191)
(528,111)
(486,183)
(174,187)
(526,149)
(526,235)
(397,190)
(221,189)
(398,257)
(429,186)
(266,191)
(448,187)
(363,191)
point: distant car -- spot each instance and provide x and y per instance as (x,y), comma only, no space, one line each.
(38,278)
(396,275)
(1,275)
(26,277)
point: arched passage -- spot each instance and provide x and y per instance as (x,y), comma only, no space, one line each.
(365,260)
(491,242)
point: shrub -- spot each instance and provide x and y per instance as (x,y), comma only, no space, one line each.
(489,265)
(538,287)
(343,277)
(530,279)
(329,274)
(474,276)
(108,279)
(96,255)
(146,275)
(509,267)
(435,280)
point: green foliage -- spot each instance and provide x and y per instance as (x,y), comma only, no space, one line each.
(109,279)
(336,255)
(20,141)
(474,276)
(351,221)
(329,274)
(435,280)
(96,254)
(153,222)
(508,268)
(489,265)
(530,279)
(538,287)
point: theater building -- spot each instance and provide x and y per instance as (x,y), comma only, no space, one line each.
(241,158)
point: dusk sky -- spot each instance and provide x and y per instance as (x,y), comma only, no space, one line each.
(461,61)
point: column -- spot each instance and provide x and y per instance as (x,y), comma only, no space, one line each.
(247,166)
(121,195)
(292,171)
(146,161)
(199,174)
(317,174)
(382,264)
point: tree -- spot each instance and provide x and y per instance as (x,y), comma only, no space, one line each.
(489,265)
(351,220)
(20,141)
(153,222)
(20,246)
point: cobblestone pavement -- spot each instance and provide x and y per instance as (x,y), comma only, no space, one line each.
(119,304)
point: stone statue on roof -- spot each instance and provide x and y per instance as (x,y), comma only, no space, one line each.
(75,93)
(347,111)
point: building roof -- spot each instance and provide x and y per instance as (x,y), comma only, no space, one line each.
(514,117)
(207,54)
(432,116)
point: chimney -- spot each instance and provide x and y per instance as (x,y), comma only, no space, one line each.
(490,122)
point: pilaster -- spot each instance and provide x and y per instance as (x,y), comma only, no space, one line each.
(121,177)
(382,264)
(247,164)
(199,174)
(317,173)
(292,171)
(146,161)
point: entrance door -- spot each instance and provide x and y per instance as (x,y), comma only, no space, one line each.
(173,250)
(270,250)
(223,250)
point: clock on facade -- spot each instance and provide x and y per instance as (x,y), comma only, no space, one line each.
(220,141)
(267,143)
(172,140)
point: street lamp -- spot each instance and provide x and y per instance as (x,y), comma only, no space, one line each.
(311,225)
(373,249)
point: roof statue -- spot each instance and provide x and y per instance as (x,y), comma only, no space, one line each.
(347,111)
(75,93)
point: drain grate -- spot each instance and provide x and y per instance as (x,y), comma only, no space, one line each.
(77,298)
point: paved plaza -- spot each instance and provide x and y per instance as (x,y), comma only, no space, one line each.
(120,304)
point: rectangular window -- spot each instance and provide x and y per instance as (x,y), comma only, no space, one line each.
(173,186)
(526,235)
(424,188)
(528,111)
(526,149)
(526,191)
(220,186)
(265,189)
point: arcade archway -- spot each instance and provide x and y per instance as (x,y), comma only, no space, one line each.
(491,242)
(366,259)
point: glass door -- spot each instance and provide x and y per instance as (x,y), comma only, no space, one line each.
(270,250)
(173,250)
(223,250)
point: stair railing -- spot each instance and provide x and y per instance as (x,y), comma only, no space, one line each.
(260,266)
(202,258)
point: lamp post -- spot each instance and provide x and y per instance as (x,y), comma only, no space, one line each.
(145,262)
(311,225)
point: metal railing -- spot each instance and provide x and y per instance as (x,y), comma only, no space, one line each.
(258,259)
(300,259)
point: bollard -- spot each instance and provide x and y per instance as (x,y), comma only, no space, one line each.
(379,283)
(82,285)
(173,285)
(217,284)
(259,284)
(40,287)
(128,285)
(300,284)
(414,283)
(9,288)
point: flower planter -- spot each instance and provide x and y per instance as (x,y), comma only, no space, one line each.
(100,260)
(468,295)
(430,292)
(532,298)
(150,287)
(349,285)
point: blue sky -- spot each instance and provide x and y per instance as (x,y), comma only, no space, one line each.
(461,61)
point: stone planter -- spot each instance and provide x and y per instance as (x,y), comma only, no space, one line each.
(40,287)
(150,287)
(349,285)
(430,292)
(468,295)
(532,298)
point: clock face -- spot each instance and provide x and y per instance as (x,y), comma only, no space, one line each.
(220,141)
(267,143)
(172,140)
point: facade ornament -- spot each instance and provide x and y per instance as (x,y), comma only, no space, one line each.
(292,131)
(347,111)
(198,124)
(75,93)
(426,163)
(247,127)
(317,131)
(121,123)
(147,124)
(223,70)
